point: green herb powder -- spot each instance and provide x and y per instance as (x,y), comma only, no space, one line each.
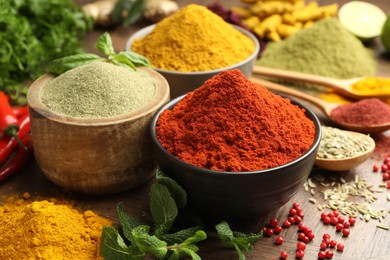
(326,49)
(98,89)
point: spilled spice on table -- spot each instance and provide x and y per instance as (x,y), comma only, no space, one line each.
(48,229)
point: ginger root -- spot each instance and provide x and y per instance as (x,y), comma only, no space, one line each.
(155,10)
(275,20)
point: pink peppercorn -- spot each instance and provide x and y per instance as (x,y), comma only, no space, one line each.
(321,255)
(329,254)
(283,255)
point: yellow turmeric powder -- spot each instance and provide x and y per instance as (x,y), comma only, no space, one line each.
(372,86)
(194,39)
(48,230)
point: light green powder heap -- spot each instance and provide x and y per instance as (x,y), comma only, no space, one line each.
(326,49)
(98,89)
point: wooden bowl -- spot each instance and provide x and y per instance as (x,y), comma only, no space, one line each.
(95,156)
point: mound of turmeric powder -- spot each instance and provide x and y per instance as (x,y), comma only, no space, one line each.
(48,230)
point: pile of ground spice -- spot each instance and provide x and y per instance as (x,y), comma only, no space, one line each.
(365,112)
(231,124)
(326,49)
(98,89)
(194,39)
(48,229)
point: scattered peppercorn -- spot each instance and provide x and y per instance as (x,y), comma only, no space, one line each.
(299,254)
(279,240)
(283,255)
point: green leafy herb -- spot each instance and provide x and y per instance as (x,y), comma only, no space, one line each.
(163,208)
(32,33)
(158,242)
(177,192)
(126,59)
(239,241)
(132,9)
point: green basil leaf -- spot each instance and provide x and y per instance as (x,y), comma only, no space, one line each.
(148,243)
(104,45)
(135,12)
(128,223)
(122,60)
(162,207)
(177,192)
(113,247)
(61,65)
(137,59)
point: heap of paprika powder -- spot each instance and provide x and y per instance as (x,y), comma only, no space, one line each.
(230,124)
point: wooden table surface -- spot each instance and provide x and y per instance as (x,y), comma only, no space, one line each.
(366,241)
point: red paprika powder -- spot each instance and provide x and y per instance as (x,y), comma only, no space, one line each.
(231,124)
(370,111)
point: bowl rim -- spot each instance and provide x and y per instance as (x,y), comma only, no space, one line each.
(160,97)
(146,30)
(310,114)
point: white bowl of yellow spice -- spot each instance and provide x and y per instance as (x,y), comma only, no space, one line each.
(90,126)
(194,44)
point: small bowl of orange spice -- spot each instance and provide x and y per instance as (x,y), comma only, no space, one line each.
(194,44)
(239,150)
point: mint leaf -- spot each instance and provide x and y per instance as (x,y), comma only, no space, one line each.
(180,236)
(60,65)
(113,247)
(191,253)
(188,247)
(177,192)
(239,241)
(148,243)
(162,207)
(198,236)
(104,45)
(128,223)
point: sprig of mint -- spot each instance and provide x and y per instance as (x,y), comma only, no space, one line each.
(127,59)
(166,196)
(139,239)
(239,241)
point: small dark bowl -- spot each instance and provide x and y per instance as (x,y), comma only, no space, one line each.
(236,196)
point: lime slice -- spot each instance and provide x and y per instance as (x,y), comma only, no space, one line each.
(385,37)
(363,19)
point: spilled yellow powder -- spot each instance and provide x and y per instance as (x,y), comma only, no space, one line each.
(48,230)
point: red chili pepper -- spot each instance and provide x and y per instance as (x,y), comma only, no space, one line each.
(17,161)
(7,145)
(9,124)
(20,111)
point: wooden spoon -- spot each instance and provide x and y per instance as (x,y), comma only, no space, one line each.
(348,163)
(325,106)
(341,86)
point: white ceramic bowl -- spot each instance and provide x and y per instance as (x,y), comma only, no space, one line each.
(181,83)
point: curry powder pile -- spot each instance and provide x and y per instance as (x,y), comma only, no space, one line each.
(48,230)
(194,39)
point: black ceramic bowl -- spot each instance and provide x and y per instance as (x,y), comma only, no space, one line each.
(236,196)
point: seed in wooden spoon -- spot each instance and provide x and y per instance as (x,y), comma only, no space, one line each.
(339,144)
